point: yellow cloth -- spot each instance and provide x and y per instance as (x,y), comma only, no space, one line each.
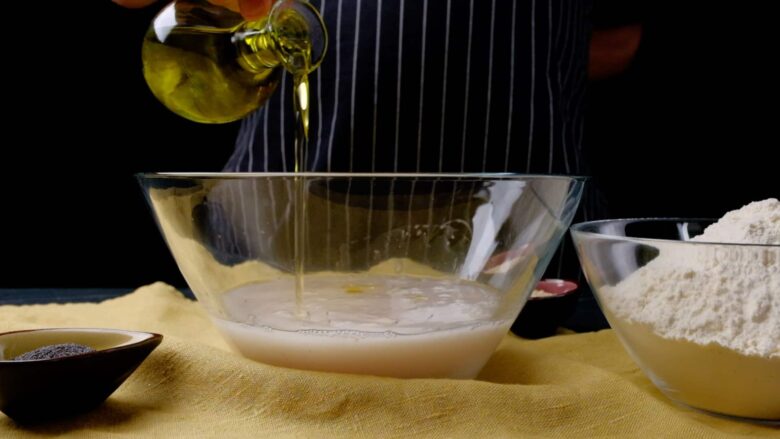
(569,385)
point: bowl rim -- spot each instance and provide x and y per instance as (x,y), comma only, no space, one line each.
(366,175)
(138,338)
(578,228)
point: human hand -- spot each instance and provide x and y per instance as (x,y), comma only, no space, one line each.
(250,9)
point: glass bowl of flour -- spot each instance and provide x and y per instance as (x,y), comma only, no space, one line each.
(696,303)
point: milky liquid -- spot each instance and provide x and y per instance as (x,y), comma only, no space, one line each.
(379,325)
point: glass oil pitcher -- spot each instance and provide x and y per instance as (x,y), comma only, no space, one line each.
(208,64)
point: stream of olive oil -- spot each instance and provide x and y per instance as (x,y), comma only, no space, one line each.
(301,104)
(293,43)
(215,75)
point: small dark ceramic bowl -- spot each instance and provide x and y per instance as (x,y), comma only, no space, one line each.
(543,314)
(38,390)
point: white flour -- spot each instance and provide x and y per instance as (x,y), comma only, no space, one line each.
(756,223)
(724,295)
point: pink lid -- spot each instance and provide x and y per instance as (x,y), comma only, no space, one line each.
(558,287)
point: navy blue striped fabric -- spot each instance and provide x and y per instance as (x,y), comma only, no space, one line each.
(436,85)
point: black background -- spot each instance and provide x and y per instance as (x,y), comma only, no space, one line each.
(689,130)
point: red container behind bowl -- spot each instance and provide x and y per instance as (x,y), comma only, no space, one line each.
(552,302)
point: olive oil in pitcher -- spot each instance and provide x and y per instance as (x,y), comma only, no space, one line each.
(205,63)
